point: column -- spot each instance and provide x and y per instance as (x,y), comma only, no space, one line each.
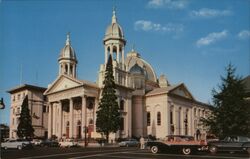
(60,120)
(129,117)
(54,119)
(166,124)
(106,55)
(74,71)
(94,112)
(190,122)
(68,69)
(71,111)
(50,121)
(123,58)
(83,122)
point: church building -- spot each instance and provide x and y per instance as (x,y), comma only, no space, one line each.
(149,105)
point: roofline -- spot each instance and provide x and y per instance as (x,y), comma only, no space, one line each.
(26,86)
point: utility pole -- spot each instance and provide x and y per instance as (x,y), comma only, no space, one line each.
(2,106)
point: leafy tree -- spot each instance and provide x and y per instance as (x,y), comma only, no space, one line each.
(24,128)
(108,116)
(231,114)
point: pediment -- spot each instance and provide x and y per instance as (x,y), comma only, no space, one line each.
(62,83)
(182,91)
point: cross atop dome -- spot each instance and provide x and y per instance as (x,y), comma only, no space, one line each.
(114,19)
(68,39)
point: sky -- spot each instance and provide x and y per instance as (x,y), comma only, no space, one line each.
(190,41)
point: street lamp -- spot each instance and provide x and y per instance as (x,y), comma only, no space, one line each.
(2,106)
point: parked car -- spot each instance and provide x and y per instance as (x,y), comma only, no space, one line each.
(230,144)
(177,143)
(36,142)
(49,143)
(19,144)
(68,143)
(128,143)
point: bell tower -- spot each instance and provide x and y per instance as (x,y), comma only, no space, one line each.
(67,59)
(114,43)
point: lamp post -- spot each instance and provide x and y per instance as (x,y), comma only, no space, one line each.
(2,106)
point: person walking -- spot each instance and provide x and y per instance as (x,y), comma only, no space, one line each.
(142,143)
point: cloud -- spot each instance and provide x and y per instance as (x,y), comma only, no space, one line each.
(146,25)
(244,34)
(170,4)
(210,13)
(212,38)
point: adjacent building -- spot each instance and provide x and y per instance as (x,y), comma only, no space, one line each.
(37,107)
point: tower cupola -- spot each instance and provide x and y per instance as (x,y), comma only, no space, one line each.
(67,59)
(114,42)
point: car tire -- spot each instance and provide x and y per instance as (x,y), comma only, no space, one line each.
(248,150)
(213,149)
(19,147)
(186,151)
(126,145)
(154,149)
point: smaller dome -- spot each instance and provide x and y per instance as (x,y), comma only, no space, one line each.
(114,30)
(136,69)
(67,51)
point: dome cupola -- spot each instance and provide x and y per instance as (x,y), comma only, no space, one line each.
(114,30)
(67,51)
(67,59)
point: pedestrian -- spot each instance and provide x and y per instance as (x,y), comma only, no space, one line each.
(142,143)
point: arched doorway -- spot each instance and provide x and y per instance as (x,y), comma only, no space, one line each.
(90,127)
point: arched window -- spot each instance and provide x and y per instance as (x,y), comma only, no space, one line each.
(91,121)
(122,124)
(122,105)
(66,69)
(148,119)
(78,122)
(158,118)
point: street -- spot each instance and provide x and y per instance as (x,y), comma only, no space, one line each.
(107,152)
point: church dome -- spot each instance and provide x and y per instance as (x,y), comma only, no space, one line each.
(114,30)
(67,51)
(133,59)
(136,69)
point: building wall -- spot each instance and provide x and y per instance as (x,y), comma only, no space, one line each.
(36,103)
(155,105)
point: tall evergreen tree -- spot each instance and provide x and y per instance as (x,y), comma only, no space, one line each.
(24,128)
(231,114)
(108,116)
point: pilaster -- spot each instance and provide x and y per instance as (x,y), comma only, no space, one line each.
(71,111)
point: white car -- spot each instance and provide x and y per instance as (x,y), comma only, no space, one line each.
(36,142)
(68,143)
(19,144)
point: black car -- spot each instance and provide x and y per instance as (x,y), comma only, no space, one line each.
(230,144)
(49,143)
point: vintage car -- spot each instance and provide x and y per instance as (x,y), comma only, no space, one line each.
(230,144)
(49,143)
(18,144)
(129,143)
(177,143)
(68,143)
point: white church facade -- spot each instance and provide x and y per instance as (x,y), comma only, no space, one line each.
(149,105)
